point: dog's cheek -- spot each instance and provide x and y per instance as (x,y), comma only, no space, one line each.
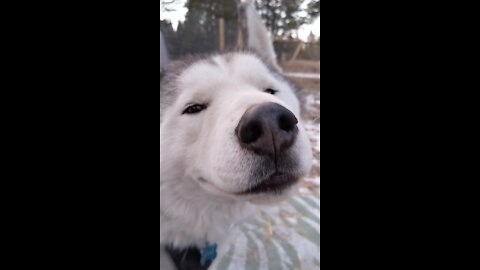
(226,164)
(178,140)
(223,164)
(291,101)
(215,139)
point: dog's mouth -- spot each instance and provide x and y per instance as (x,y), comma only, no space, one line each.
(276,183)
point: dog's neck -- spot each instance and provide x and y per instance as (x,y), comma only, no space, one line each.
(188,220)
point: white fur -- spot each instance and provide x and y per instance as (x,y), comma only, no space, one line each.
(202,166)
(205,145)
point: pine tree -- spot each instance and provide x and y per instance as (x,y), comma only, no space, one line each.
(282,17)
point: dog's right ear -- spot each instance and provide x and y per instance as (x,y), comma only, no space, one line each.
(252,33)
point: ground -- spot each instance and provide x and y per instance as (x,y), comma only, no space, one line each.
(286,236)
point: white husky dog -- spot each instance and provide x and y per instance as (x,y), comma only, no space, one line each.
(230,138)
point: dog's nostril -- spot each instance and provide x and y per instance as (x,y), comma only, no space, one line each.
(251,132)
(287,122)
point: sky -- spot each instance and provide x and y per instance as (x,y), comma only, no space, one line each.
(180,11)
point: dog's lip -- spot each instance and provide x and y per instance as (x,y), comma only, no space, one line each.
(277,182)
(204,181)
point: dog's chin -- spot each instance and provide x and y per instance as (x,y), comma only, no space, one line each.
(276,188)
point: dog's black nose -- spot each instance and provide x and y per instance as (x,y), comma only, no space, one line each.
(267,128)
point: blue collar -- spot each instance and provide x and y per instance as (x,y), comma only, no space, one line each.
(193,257)
(209,253)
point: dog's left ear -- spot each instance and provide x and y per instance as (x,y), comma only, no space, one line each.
(164,59)
(253,34)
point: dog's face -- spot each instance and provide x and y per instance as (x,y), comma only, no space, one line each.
(233,126)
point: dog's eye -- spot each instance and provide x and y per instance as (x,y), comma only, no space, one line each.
(194,108)
(270,91)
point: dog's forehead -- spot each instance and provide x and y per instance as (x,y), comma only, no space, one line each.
(222,75)
(226,68)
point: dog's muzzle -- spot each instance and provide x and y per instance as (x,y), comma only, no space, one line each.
(267,129)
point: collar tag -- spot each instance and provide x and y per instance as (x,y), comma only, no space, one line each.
(209,253)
